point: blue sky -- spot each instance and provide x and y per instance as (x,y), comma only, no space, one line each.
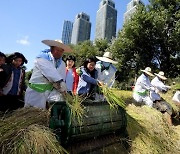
(25,23)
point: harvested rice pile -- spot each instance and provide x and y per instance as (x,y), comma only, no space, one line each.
(24,132)
(150,133)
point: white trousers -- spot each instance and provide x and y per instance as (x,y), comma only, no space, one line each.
(143,99)
(36,99)
(176,97)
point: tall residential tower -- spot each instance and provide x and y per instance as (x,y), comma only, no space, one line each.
(67,32)
(81,28)
(131,8)
(106,20)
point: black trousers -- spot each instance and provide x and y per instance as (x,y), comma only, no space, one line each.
(10,103)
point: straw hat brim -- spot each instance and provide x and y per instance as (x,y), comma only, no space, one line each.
(160,76)
(57,44)
(148,73)
(105,59)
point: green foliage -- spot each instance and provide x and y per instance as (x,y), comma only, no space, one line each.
(150,38)
(86,49)
(82,51)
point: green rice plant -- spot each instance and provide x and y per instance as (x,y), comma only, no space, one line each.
(125,95)
(110,96)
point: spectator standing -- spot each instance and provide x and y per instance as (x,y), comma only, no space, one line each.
(15,86)
(72,77)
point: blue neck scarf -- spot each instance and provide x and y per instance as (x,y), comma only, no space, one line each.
(46,54)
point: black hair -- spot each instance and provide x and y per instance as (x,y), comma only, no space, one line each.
(71,57)
(89,60)
(16,55)
(2,55)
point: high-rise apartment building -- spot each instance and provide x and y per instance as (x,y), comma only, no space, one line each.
(67,32)
(81,28)
(106,20)
(131,8)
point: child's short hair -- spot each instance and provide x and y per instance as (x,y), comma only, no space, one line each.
(2,54)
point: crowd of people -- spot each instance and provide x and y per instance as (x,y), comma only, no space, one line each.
(52,78)
(147,92)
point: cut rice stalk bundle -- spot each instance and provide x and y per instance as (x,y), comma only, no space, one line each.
(75,104)
(20,119)
(149,131)
(110,96)
(34,139)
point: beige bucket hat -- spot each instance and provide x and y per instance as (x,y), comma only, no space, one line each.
(161,75)
(147,71)
(57,43)
(107,57)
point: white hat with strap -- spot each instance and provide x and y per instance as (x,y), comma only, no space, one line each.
(147,71)
(161,75)
(57,43)
(107,57)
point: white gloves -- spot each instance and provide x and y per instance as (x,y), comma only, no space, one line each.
(63,87)
(152,89)
(60,86)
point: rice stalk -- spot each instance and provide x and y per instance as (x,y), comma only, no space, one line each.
(110,96)
(77,108)
(21,118)
(33,139)
(149,131)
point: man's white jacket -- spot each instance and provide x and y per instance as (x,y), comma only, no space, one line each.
(45,72)
(159,87)
(106,76)
(141,90)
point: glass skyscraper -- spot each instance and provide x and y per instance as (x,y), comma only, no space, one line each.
(81,28)
(67,32)
(106,20)
(131,8)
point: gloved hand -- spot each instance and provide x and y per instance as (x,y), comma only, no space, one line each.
(60,86)
(152,89)
(168,87)
(99,83)
(63,87)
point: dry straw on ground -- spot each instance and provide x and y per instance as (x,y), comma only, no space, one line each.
(150,133)
(25,131)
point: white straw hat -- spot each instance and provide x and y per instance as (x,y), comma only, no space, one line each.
(57,43)
(107,57)
(161,75)
(147,71)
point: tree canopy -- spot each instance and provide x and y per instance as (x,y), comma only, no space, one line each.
(150,38)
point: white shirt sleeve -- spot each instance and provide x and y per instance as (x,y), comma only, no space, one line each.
(48,70)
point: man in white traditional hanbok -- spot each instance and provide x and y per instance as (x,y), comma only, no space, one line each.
(142,88)
(159,86)
(159,103)
(47,81)
(106,71)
